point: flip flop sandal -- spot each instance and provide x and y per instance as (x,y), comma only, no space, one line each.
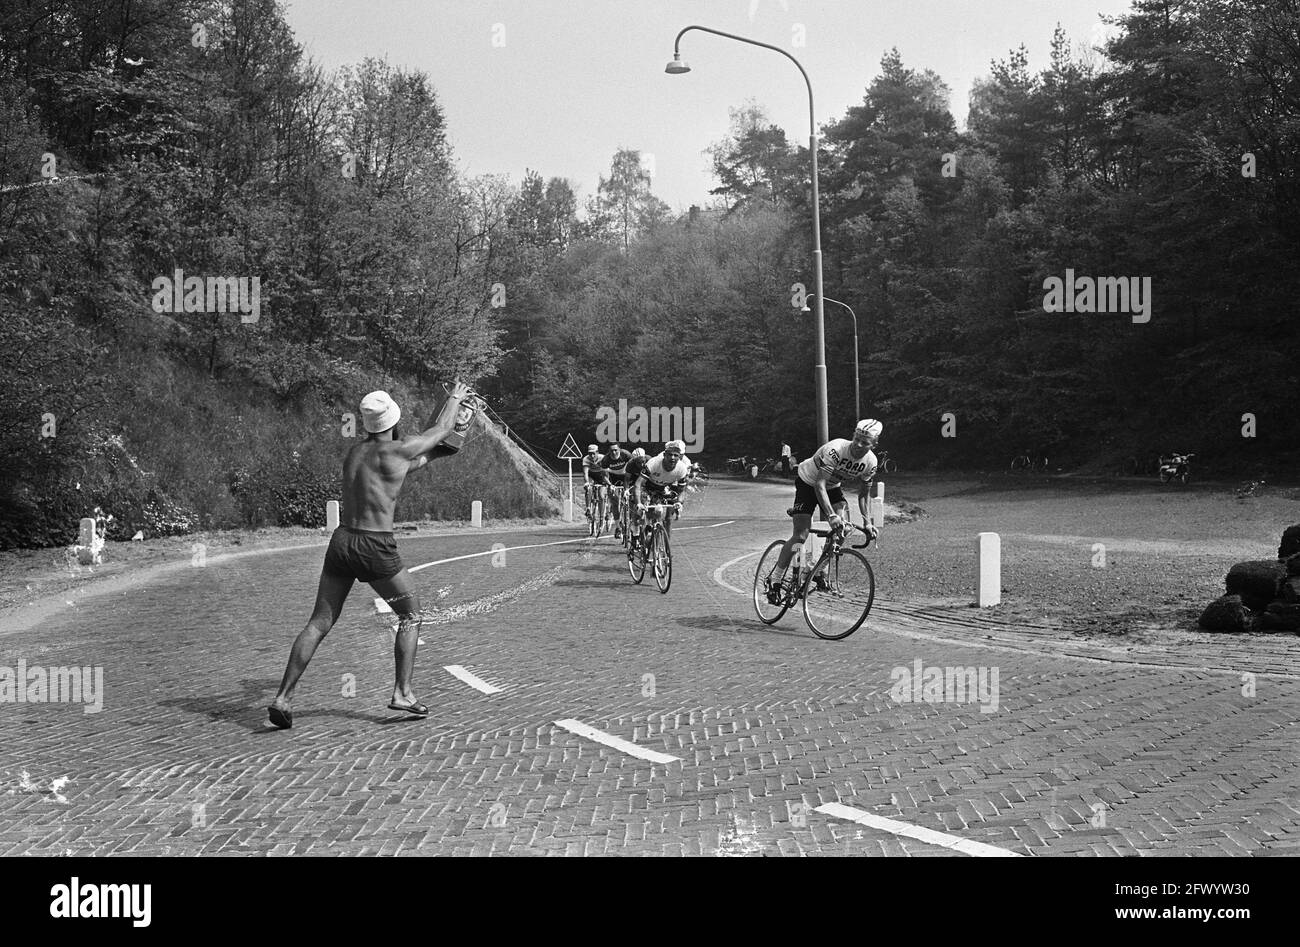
(416,710)
(283,719)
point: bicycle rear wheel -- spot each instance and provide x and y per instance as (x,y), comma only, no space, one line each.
(662,557)
(769,612)
(838,593)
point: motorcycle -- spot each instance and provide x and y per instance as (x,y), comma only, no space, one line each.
(1175,467)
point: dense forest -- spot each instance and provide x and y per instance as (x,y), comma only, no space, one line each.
(139,138)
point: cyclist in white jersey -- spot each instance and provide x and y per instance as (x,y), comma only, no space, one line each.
(817,485)
(663,478)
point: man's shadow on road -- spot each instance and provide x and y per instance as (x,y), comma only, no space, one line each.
(247,707)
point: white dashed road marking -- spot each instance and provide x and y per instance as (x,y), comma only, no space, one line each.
(473,680)
(965,846)
(616,743)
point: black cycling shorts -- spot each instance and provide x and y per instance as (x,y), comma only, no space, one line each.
(805,497)
(362,554)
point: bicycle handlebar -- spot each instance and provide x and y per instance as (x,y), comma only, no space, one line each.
(861,529)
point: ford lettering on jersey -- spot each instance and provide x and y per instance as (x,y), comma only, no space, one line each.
(836,463)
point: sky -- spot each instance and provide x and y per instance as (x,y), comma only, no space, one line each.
(557,86)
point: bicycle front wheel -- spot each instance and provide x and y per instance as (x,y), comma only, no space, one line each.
(636,558)
(838,594)
(770,612)
(662,557)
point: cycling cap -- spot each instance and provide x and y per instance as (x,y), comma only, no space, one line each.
(870,426)
(639,452)
(677,446)
(592,448)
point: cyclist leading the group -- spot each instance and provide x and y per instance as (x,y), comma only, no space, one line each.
(662,478)
(592,471)
(817,486)
(615,464)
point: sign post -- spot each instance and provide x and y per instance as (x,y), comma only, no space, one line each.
(569,451)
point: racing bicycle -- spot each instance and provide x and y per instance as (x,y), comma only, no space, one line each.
(837,592)
(597,507)
(650,546)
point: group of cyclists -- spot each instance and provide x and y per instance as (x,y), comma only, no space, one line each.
(643,479)
(818,482)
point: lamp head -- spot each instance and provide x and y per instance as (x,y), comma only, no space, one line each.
(677,67)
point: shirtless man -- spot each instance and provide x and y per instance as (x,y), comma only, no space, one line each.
(364,549)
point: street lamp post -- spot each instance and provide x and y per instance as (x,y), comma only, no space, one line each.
(857,391)
(677,67)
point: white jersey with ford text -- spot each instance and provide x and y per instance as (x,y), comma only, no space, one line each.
(659,477)
(834,460)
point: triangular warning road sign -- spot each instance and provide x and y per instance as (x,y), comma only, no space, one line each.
(569,449)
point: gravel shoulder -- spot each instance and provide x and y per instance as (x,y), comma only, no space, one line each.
(1127,562)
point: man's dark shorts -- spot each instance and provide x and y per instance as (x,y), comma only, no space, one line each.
(363,554)
(805,497)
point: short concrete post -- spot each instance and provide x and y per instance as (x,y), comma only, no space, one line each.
(476,513)
(89,543)
(988,581)
(876,506)
(568,510)
(332,515)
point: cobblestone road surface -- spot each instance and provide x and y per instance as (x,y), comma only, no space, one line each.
(765,726)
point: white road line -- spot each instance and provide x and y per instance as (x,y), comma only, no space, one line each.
(717,573)
(473,680)
(616,743)
(491,552)
(965,846)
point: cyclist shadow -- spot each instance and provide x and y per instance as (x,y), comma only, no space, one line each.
(740,626)
(584,583)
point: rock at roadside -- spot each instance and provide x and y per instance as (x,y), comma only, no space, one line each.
(1227,614)
(1293,564)
(1291,589)
(1290,542)
(1258,579)
(1281,616)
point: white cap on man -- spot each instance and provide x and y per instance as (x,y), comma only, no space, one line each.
(379,412)
(869,426)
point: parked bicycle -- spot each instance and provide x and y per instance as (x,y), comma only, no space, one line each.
(885,463)
(1175,467)
(1025,461)
(649,545)
(837,592)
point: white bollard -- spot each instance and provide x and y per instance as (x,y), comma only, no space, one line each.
(88,543)
(988,555)
(876,506)
(476,513)
(332,515)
